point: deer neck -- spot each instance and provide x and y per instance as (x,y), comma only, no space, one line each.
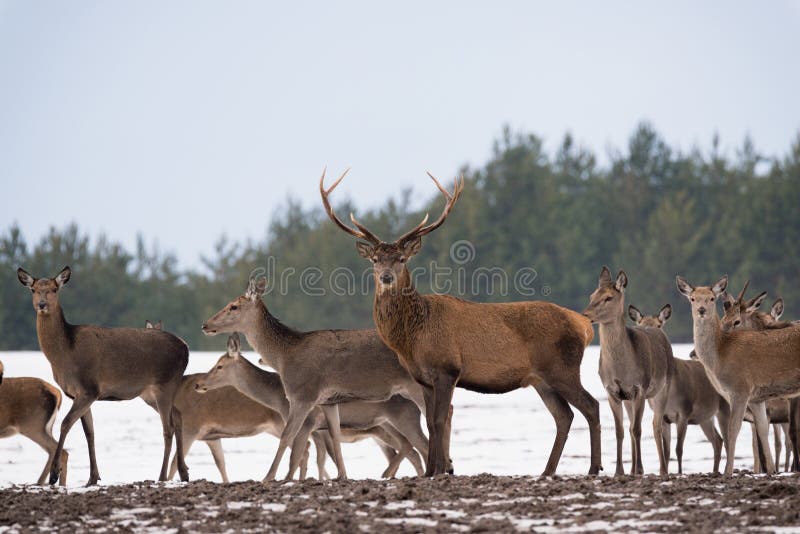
(706,340)
(271,338)
(262,386)
(614,341)
(54,333)
(399,314)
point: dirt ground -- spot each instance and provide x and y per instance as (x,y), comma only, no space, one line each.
(699,503)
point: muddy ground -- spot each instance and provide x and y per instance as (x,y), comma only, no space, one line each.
(479,503)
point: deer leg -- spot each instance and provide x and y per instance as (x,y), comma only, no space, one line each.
(776,433)
(785,428)
(716,441)
(759,410)
(215,446)
(562,414)
(635,411)
(300,447)
(682,424)
(320,446)
(738,407)
(616,410)
(331,412)
(405,448)
(574,393)
(444,386)
(409,427)
(430,401)
(758,455)
(666,440)
(794,432)
(724,420)
(46,441)
(188,441)
(447,430)
(177,424)
(304,461)
(297,416)
(80,406)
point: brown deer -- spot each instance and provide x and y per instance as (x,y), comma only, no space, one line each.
(691,400)
(636,364)
(746,367)
(394,421)
(92,363)
(742,314)
(223,413)
(318,368)
(446,342)
(28,406)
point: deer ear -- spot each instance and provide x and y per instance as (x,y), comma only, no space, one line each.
(159,326)
(634,314)
(24,278)
(683,286)
(777,309)
(665,313)
(63,277)
(148,324)
(234,345)
(261,286)
(755,304)
(365,250)
(605,276)
(411,248)
(720,286)
(621,282)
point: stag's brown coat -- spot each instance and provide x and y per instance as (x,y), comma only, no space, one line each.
(446,342)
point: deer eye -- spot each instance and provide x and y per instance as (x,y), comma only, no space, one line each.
(219,367)
(234,307)
(402,259)
(712,299)
(609,299)
(692,299)
(374,260)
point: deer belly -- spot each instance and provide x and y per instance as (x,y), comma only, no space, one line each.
(495,378)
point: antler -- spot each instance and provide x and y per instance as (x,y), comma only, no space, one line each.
(420,230)
(362,232)
(741,293)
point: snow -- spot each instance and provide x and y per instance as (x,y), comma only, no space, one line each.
(508,434)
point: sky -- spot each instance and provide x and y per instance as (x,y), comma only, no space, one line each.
(183,121)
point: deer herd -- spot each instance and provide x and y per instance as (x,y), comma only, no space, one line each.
(331,387)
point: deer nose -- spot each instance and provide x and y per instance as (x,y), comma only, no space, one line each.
(42,305)
(386,278)
(701,310)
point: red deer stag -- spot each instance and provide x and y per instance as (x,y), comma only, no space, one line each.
(446,342)
(92,363)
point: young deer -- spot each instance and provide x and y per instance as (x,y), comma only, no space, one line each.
(746,367)
(446,342)
(395,421)
(28,406)
(691,400)
(223,413)
(636,364)
(93,363)
(318,368)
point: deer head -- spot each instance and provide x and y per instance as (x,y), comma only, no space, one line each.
(389,259)
(239,314)
(702,298)
(44,290)
(736,311)
(224,371)
(652,321)
(607,302)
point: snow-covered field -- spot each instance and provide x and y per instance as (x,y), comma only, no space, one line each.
(499,434)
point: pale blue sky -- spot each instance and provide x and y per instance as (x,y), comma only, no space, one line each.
(186,120)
